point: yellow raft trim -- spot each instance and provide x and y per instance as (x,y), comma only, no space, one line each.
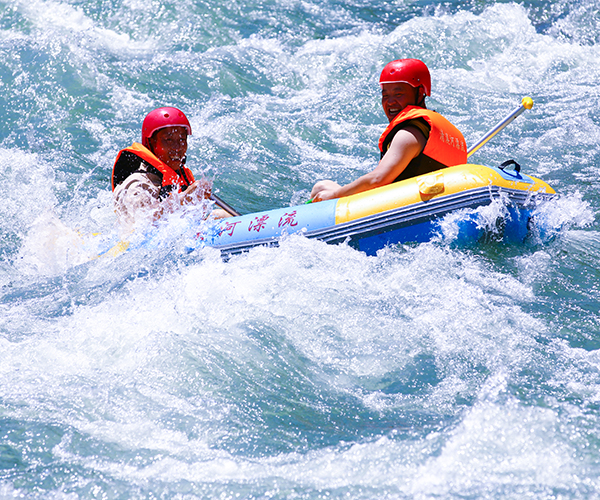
(423,188)
(118,249)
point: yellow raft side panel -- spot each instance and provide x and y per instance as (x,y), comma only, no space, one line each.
(421,189)
(118,249)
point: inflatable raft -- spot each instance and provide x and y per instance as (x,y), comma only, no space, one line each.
(407,211)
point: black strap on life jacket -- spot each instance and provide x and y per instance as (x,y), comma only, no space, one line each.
(129,163)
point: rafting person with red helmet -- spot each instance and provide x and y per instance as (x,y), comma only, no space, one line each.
(416,141)
(151,178)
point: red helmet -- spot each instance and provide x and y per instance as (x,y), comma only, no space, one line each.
(162,118)
(411,71)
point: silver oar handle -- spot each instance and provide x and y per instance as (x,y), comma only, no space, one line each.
(526,103)
(225,206)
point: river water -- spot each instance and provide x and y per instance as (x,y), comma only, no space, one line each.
(307,371)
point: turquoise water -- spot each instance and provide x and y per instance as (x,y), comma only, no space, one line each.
(306,371)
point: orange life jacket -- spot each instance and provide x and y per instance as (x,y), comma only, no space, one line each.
(128,162)
(445,146)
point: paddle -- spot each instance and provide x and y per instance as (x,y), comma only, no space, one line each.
(526,103)
(225,206)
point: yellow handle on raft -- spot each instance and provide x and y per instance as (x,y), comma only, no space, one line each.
(526,103)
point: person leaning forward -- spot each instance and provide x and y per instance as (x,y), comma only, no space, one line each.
(416,141)
(150,179)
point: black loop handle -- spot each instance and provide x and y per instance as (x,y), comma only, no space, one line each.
(502,166)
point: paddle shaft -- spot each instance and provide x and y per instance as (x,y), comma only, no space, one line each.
(225,206)
(526,103)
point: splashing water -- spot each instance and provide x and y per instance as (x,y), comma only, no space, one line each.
(309,370)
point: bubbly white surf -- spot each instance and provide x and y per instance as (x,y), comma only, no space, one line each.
(304,371)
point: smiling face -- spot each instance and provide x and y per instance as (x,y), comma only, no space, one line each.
(396,96)
(170,145)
